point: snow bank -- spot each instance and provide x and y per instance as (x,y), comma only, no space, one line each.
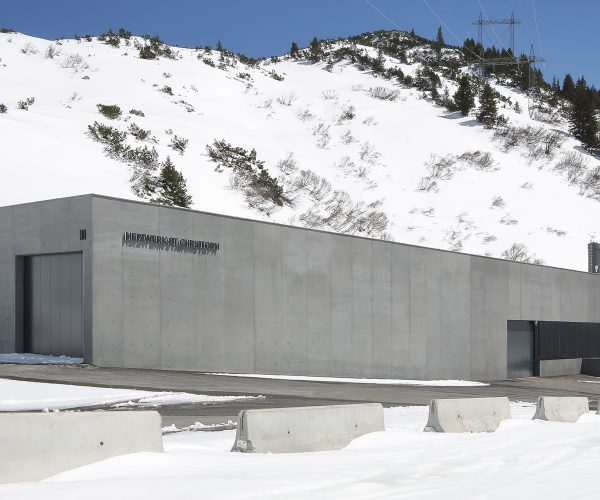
(16,395)
(37,359)
(522,459)
(383,381)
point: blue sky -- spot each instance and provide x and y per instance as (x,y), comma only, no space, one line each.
(567,29)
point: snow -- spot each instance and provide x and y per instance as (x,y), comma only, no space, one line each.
(17,395)
(37,359)
(522,459)
(429,383)
(46,153)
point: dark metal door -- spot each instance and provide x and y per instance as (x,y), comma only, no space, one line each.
(520,349)
(53,304)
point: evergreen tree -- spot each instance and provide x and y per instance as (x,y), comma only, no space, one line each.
(294,51)
(379,63)
(315,50)
(463,97)
(487,113)
(582,115)
(568,89)
(219,46)
(439,42)
(171,187)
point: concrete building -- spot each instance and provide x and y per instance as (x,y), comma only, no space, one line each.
(130,284)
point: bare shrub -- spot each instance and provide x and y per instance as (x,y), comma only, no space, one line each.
(427,212)
(488,238)
(477,159)
(74,62)
(498,202)
(441,168)
(347,137)
(383,93)
(546,114)
(339,213)
(51,52)
(368,154)
(536,141)
(329,94)
(464,221)
(287,99)
(508,220)
(267,104)
(29,49)
(518,252)
(590,185)
(347,114)
(574,165)
(427,184)
(357,88)
(526,185)
(321,131)
(305,115)
(312,185)
(369,121)
(454,239)
(555,232)
(288,165)
(346,165)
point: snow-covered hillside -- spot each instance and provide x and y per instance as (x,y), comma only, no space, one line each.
(385,155)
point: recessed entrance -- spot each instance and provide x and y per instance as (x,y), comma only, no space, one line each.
(520,349)
(53,304)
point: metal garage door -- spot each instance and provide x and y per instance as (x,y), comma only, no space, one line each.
(53,304)
(520,349)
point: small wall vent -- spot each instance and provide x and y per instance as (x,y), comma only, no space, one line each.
(83,234)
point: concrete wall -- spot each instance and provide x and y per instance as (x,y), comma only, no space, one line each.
(41,228)
(35,446)
(556,367)
(276,299)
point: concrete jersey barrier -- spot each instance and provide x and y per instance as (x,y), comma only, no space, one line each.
(561,409)
(467,415)
(35,446)
(311,428)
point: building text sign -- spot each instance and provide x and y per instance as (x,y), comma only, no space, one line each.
(169,243)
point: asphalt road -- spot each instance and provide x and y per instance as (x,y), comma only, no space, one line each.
(286,393)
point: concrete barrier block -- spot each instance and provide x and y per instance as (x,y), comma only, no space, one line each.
(310,428)
(561,409)
(35,446)
(467,415)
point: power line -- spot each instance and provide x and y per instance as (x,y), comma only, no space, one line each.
(537,29)
(491,25)
(478,56)
(441,21)
(393,23)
